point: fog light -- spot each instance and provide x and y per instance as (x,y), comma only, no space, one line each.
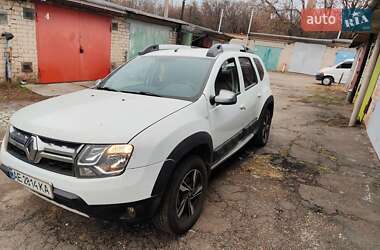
(131,212)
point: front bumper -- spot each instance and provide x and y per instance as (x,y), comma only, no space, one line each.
(96,197)
(131,212)
(319,76)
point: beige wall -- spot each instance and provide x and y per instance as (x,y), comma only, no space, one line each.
(285,57)
(24,41)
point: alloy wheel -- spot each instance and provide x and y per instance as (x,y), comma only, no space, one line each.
(266,126)
(189,193)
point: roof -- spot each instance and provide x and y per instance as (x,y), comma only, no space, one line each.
(283,38)
(188,51)
(116,9)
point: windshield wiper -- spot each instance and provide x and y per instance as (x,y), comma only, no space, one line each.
(130,92)
(141,93)
(147,93)
(108,89)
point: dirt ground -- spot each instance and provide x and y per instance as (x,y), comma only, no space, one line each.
(316,185)
(13,97)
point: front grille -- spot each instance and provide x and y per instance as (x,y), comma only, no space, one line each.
(51,155)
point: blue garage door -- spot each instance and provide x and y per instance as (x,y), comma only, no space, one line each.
(343,55)
(269,55)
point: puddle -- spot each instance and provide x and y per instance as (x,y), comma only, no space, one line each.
(278,167)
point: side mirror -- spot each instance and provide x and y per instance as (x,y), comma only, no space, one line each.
(225,97)
(98,82)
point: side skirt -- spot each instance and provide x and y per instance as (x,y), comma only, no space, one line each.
(227,149)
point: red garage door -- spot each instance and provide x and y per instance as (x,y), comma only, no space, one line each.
(72,45)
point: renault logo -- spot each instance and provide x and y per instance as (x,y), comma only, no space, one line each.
(31,148)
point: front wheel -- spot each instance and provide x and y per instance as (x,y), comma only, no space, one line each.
(327,81)
(262,135)
(183,201)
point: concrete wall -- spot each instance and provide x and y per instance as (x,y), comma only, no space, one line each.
(24,41)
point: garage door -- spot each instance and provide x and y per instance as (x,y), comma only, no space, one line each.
(307,58)
(142,35)
(71,45)
(269,55)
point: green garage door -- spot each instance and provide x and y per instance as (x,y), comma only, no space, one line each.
(142,35)
(269,55)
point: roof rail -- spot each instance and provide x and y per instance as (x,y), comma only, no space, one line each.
(157,47)
(220,48)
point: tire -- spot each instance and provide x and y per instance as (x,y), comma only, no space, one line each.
(327,80)
(261,137)
(173,217)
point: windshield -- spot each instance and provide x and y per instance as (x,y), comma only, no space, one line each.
(166,76)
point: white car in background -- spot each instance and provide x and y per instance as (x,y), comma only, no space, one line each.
(141,145)
(339,73)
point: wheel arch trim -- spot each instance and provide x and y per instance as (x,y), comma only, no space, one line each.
(189,144)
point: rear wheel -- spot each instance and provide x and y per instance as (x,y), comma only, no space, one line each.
(327,80)
(262,136)
(183,201)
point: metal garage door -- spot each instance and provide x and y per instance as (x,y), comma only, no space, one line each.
(72,45)
(373,126)
(343,55)
(269,55)
(307,58)
(142,35)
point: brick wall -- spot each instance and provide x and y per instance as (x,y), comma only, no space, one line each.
(119,41)
(24,41)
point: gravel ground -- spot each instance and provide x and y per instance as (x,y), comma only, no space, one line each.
(316,185)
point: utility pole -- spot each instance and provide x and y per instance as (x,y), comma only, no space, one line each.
(220,20)
(166,8)
(183,8)
(249,26)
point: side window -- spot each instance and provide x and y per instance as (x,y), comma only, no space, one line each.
(249,73)
(347,65)
(260,68)
(227,77)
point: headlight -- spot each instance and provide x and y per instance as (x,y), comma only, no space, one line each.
(103,160)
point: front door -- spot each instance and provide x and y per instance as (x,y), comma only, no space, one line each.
(226,121)
(250,95)
(71,45)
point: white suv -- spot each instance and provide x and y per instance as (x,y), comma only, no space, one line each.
(142,143)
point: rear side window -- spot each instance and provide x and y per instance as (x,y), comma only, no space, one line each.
(347,65)
(249,73)
(260,68)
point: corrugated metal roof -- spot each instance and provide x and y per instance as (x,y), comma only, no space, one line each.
(123,10)
(255,35)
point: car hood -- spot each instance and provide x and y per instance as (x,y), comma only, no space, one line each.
(94,116)
(324,70)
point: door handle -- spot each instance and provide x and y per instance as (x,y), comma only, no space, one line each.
(242,107)
(259,95)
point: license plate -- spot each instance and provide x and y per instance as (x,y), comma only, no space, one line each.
(32,183)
